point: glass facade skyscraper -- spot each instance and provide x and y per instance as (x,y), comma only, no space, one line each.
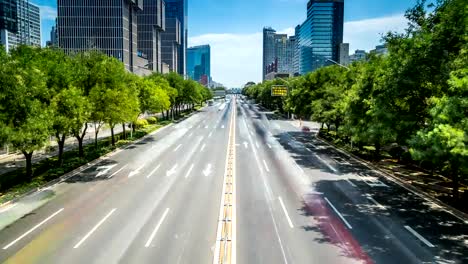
(320,36)
(151,23)
(20,23)
(9,15)
(199,62)
(109,26)
(176,35)
(170,44)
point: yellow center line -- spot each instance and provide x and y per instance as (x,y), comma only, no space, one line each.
(226,235)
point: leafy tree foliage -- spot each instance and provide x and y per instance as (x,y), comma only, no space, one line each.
(45,92)
(414,98)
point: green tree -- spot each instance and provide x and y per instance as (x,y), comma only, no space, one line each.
(85,66)
(444,143)
(113,101)
(23,99)
(163,83)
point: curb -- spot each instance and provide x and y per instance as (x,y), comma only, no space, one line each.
(80,169)
(449,209)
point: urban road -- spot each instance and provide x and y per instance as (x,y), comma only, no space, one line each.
(292,199)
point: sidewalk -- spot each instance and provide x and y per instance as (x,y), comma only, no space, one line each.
(15,161)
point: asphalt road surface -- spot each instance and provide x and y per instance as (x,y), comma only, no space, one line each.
(297,200)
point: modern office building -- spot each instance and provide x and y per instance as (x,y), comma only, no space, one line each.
(359,55)
(199,63)
(170,44)
(278,52)
(269,35)
(109,26)
(320,36)
(20,23)
(151,23)
(344,54)
(174,40)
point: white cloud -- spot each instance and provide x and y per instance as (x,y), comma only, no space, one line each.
(237,58)
(48,12)
(366,34)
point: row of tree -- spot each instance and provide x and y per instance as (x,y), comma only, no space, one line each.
(45,92)
(412,102)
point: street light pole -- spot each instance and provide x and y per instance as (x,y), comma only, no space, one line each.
(287,82)
(339,64)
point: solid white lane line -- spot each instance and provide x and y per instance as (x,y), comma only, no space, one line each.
(94,228)
(245,123)
(338,213)
(153,171)
(189,171)
(153,234)
(266,166)
(203,147)
(206,126)
(211,133)
(411,230)
(286,213)
(256,144)
(135,172)
(178,147)
(269,145)
(375,202)
(190,134)
(32,229)
(326,163)
(115,173)
(299,167)
(351,183)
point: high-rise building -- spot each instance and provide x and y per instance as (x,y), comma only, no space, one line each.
(20,23)
(176,35)
(109,26)
(344,54)
(151,23)
(170,44)
(278,52)
(269,35)
(320,36)
(199,63)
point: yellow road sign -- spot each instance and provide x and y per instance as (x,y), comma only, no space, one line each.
(279,90)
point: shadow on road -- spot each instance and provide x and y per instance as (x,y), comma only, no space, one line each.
(379,231)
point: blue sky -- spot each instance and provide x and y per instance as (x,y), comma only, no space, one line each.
(233,28)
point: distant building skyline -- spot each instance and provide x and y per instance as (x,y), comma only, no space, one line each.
(20,23)
(359,55)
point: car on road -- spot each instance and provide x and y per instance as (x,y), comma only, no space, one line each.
(305,129)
